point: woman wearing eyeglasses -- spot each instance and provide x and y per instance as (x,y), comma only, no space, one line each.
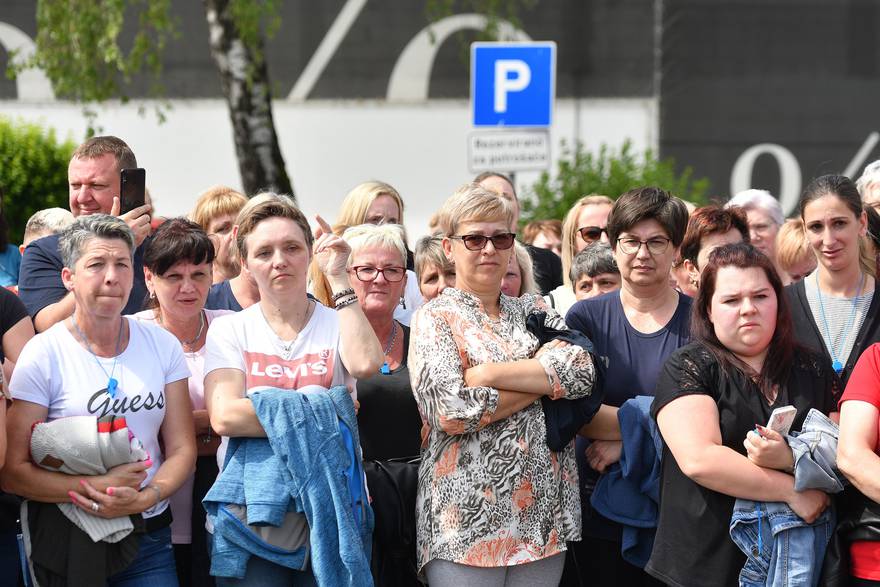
(388,419)
(586,223)
(495,506)
(636,329)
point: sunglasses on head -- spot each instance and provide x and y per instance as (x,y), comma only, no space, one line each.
(477,242)
(591,233)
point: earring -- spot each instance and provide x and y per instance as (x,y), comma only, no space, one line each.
(152,295)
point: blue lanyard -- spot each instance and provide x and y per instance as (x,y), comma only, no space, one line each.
(112,383)
(836,364)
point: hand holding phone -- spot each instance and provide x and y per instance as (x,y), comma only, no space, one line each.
(132,189)
(781,419)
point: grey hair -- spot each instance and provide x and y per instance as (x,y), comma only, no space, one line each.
(595,259)
(75,237)
(364,236)
(870,175)
(44,222)
(760,199)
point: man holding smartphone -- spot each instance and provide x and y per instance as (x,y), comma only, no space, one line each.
(94,180)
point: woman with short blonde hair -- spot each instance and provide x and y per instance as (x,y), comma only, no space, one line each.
(484,515)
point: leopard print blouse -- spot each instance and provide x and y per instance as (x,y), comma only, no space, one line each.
(490,494)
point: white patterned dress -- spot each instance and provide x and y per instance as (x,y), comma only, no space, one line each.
(490,494)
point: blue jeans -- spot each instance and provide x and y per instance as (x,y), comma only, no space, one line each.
(781,549)
(153,566)
(263,573)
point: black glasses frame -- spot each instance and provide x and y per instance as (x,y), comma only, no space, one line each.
(657,249)
(357,272)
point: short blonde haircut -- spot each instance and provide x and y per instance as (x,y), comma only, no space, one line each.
(364,236)
(429,251)
(46,222)
(473,203)
(217,201)
(792,247)
(264,206)
(526,270)
(570,228)
(355,205)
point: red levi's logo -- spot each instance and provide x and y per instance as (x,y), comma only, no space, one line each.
(272,371)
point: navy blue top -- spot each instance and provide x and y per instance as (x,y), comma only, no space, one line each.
(220,297)
(634,361)
(40,285)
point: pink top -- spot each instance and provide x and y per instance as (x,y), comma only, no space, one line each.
(182,502)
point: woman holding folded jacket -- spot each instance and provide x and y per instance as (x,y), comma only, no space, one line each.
(495,505)
(741,364)
(177,269)
(285,341)
(97,363)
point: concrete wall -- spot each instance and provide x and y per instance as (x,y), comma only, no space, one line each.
(330,146)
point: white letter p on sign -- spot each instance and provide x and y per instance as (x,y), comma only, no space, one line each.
(504,84)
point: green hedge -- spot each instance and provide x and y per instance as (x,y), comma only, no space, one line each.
(33,172)
(610,173)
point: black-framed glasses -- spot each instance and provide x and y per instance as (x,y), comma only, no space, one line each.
(367,273)
(591,233)
(477,242)
(656,245)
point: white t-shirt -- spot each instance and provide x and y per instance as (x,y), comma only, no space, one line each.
(182,499)
(246,342)
(57,372)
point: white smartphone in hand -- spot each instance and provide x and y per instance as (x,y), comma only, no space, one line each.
(781,419)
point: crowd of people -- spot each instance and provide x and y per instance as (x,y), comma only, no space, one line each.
(640,393)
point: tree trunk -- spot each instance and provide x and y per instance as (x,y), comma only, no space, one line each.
(245,80)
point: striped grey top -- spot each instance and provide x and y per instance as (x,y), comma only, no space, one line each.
(838,335)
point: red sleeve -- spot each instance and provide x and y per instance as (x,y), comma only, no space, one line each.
(864,383)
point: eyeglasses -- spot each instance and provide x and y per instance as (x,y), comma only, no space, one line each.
(391,274)
(656,245)
(591,233)
(477,242)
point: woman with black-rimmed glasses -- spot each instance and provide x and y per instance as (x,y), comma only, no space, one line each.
(495,505)
(635,328)
(586,223)
(388,419)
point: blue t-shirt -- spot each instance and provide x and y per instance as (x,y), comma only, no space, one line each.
(634,361)
(220,297)
(10,264)
(40,285)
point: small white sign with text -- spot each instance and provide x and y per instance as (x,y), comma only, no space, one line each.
(508,151)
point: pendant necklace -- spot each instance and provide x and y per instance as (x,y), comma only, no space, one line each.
(112,383)
(386,370)
(836,364)
(189,343)
(286,346)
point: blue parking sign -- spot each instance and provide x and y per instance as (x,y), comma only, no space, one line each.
(513,84)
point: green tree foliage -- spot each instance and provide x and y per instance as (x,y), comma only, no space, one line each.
(83,51)
(33,172)
(608,172)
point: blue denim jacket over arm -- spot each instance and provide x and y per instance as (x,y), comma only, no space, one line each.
(781,549)
(312,465)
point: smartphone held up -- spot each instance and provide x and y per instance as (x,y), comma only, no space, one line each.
(132,189)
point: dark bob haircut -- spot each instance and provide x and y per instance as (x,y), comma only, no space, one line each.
(647,203)
(710,220)
(782,346)
(178,239)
